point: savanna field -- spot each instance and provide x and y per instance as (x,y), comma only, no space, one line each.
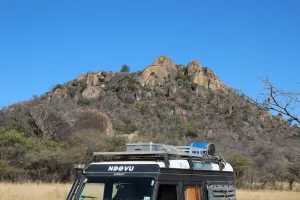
(33,191)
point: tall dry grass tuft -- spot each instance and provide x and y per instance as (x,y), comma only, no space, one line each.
(267,195)
(34,191)
(55,191)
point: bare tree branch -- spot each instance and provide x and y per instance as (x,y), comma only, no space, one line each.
(271,99)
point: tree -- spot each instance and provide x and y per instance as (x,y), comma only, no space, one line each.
(278,100)
(292,173)
(240,165)
(125,68)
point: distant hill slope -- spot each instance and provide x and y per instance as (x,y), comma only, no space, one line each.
(165,102)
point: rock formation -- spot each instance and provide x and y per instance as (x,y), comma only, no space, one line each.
(96,79)
(95,83)
(81,77)
(49,122)
(161,70)
(96,120)
(204,76)
(93,92)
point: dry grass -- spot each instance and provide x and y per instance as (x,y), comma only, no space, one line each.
(30,191)
(267,195)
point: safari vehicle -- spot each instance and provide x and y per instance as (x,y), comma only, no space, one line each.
(151,171)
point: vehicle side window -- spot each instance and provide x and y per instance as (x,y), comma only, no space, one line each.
(93,191)
(192,192)
(167,192)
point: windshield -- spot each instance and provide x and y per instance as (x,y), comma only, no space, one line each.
(118,188)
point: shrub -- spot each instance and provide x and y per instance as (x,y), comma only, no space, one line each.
(83,102)
(58,86)
(292,173)
(72,91)
(82,85)
(159,92)
(240,165)
(9,172)
(11,137)
(24,157)
(126,128)
(183,76)
(82,144)
(125,69)
(143,106)
(187,105)
(191,129)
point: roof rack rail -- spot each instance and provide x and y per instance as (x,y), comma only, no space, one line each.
(154,151)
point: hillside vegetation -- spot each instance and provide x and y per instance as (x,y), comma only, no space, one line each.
(41,138)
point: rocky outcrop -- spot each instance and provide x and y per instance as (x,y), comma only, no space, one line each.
(59,94)
(49,122)
(159,72)
(172,90)
(93,93)
(204,76)
(94,78)
(96,120)
(143,95)
(95,81)
(81,77)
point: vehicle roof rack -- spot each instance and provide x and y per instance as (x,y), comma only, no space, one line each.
(154,151)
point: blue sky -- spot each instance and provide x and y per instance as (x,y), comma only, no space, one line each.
(43,43)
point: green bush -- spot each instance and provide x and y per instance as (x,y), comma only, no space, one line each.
(9,138)
(126,128)
(143,106)
(125,69)
(240,165)
(83,102)
(9,172)
(58,86)
(82,85)
(187,105)
(191,128)
(182,76)
(24,158)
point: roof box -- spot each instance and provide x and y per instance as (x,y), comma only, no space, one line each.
(210,148)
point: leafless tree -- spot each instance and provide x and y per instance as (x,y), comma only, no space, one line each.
(274,99)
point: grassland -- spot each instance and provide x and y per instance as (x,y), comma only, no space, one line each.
(30,191)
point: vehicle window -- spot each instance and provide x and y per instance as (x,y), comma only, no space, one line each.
(167,192)
(93,191)
(192,192)
(118,189)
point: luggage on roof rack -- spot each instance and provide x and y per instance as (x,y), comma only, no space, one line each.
(156,151)
(192,147)
(210,148)
(200,148)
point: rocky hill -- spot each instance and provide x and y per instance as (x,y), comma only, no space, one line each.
(166,102)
